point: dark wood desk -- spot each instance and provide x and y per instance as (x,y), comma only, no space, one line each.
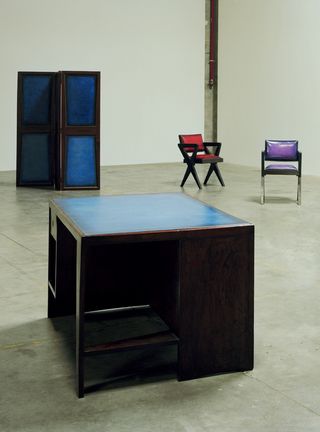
(191,262)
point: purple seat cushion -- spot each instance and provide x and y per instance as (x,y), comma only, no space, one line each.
(281,167)
(281,150)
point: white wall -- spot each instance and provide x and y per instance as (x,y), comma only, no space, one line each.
(151,61)
(269,78)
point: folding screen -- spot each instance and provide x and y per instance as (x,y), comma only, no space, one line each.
(79,130)
(59,129)
(36,128)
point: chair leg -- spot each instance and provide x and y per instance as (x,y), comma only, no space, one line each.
(186,175)
(214,167)
(195,176)
(191,170)
(210,171)
(263,190)
(218,174)
(299,191)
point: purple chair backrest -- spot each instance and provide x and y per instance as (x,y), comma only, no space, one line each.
(281,150)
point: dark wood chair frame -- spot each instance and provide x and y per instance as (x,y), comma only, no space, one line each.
(191,160)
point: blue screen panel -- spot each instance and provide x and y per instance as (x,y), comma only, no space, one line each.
(81,99)
(80,161)
(36,97)
(35,158)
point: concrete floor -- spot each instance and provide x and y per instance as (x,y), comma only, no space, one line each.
(281,394)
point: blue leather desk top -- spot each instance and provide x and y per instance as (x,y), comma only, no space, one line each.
(103,215)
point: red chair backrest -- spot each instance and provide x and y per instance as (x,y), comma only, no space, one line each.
(192,139)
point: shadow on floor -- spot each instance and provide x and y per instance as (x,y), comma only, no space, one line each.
(272,200)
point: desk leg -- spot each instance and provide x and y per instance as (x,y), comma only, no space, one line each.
(62,272)
(216,305)
(80,293)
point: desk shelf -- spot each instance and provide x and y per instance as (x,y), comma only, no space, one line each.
(164,338)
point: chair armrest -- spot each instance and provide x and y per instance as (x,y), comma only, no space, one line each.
(262,162)
(299,162)
(217,146)
(182,148)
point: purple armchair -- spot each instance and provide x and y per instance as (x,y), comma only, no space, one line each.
(282,151)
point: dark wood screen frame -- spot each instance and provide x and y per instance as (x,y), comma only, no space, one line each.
(64,130)
(49,128)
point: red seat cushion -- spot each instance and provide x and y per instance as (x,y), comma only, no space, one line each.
(192,139)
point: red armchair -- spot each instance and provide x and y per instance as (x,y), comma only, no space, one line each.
(195,151)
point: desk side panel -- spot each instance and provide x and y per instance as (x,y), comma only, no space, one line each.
(216,304)
(62,244)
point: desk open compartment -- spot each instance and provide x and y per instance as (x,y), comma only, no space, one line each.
(122,280)
(134,275)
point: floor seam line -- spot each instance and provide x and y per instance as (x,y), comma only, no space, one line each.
(14,266)
(19,244)
(31,343)
(283,394)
